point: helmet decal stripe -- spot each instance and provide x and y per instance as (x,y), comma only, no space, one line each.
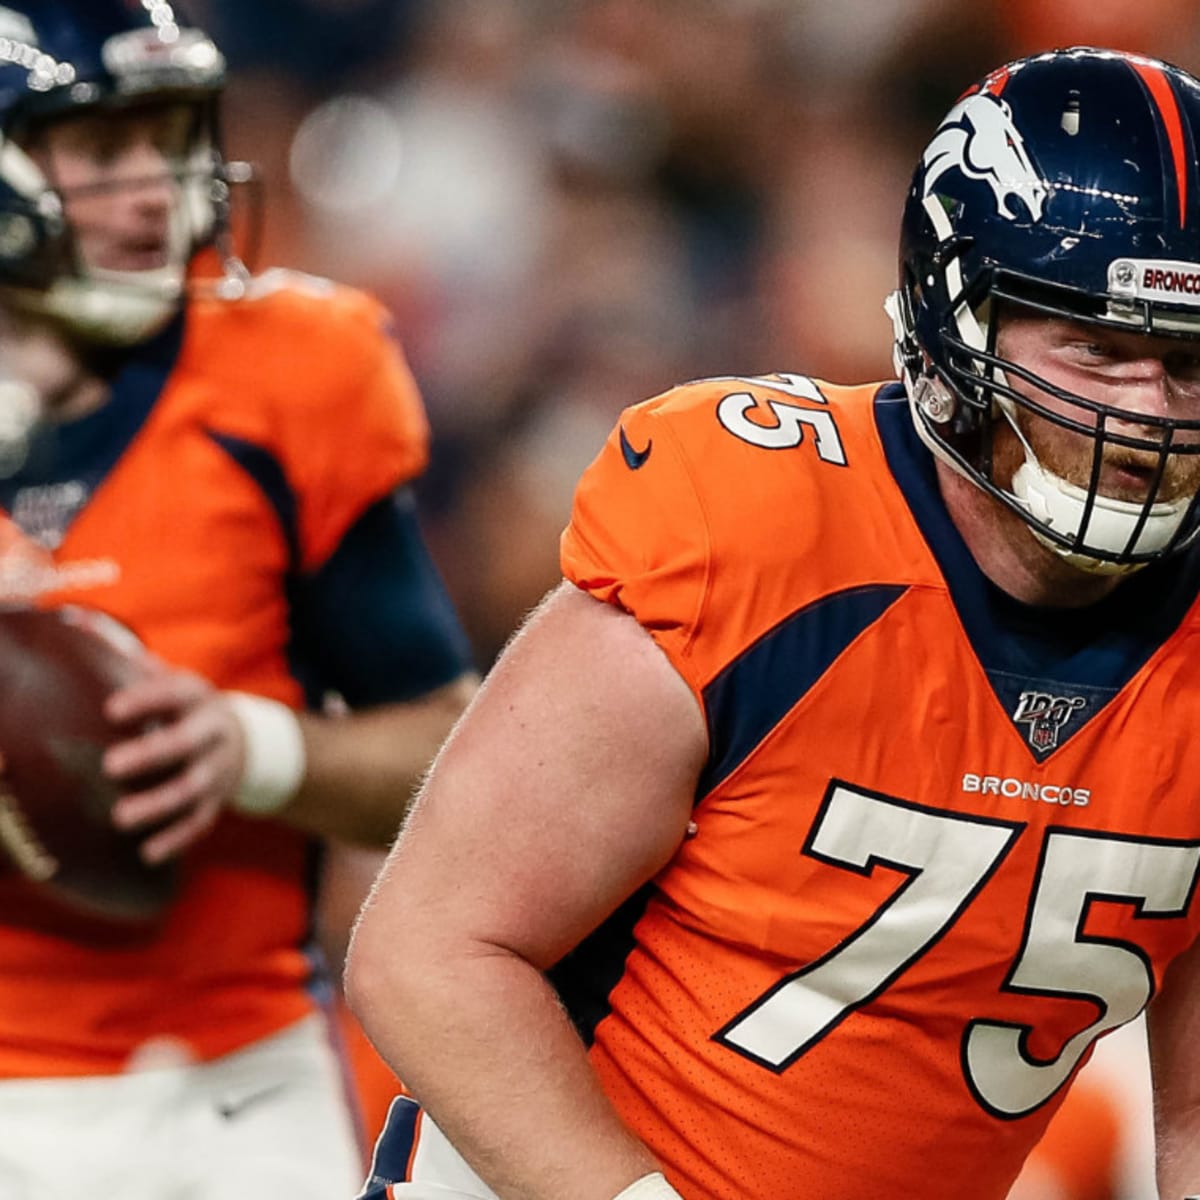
(993,85)
(1160,91)
(996,82)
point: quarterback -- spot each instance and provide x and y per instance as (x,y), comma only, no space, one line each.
(221,463)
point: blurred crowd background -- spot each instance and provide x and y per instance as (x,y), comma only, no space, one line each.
(571,205)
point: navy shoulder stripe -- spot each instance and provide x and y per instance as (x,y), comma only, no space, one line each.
(267,472)
(759,687)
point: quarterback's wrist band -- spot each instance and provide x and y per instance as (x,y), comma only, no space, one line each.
(649,1187)
(274,754)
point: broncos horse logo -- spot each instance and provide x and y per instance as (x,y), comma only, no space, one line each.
(979,138)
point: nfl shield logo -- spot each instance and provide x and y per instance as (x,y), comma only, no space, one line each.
(1046,714)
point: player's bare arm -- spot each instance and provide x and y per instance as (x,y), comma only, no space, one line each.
(1173,1025)
(567,785)
(359,769)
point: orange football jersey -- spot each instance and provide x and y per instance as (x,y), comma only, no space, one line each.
(943,840)
(238,451)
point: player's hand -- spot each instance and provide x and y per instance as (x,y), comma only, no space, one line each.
(183,768)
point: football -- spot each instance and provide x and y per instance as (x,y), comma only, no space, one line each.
(57,667)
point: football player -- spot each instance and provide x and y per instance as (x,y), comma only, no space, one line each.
(222,464)
(813,830)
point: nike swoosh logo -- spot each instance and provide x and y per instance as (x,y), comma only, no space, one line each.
(236,1105)
(634,459)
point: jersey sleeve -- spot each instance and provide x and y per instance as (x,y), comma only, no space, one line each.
(375,624)
(364,438)
(638,537)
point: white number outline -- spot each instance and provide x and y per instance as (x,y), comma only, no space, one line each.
(791,419)
(995,1054)
(993,1041)
(775,1011)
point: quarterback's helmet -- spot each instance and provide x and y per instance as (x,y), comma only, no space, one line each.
(59,57)
(1065,183)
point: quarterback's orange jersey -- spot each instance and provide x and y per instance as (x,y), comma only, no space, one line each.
(207,506)
(1079,1158)
(943,841)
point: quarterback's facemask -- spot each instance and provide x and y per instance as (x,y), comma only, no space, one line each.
(60,59)
(1064,184)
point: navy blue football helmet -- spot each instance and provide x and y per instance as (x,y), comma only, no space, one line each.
(1067,184)
(59,57)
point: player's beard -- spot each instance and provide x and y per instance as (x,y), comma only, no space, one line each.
(1126,473)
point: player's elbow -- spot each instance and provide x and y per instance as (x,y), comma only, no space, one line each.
(373,971)
(392,966)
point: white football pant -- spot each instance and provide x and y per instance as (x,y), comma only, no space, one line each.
(270,1121)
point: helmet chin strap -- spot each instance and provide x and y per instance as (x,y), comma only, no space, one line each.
(1059,505)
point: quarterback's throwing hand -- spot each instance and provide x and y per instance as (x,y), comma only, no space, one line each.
(184,765)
